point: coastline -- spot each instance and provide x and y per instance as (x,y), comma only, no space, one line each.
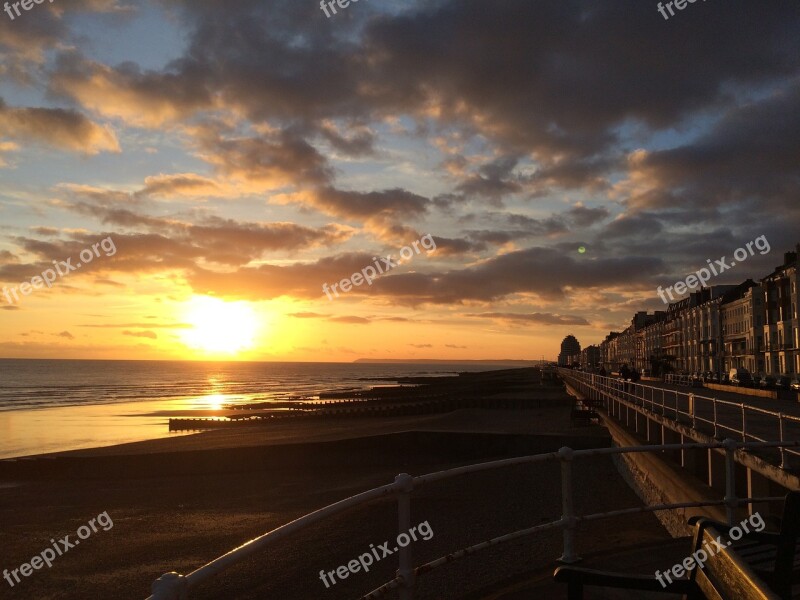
(55,422)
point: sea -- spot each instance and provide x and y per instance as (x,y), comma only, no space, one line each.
(49,406)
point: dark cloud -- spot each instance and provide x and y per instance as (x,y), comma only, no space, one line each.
(749,158)
(557,79)
(493,181)
(583,216)
(539,272)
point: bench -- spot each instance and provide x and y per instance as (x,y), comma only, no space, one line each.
(725,574)
(773,556)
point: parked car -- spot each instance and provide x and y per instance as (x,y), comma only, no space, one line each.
(724,379)
(767,382)
(715,378)
(795,384)
(783,382)
(740,377)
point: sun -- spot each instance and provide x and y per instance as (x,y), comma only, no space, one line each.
(219,326)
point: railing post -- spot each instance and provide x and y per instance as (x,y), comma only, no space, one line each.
(405,485)
(782,428)
(170,586)
(744,423)
(731,502)
(693,411)
(568,520)
(714,404)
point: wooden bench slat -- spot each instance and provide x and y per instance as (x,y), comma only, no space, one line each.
(726,575)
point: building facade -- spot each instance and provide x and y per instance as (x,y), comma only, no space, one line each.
(742,328)
(590,358)
(781,336)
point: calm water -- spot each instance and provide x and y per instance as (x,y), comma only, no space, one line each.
(56,405)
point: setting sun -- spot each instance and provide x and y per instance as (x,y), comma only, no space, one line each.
(219,326)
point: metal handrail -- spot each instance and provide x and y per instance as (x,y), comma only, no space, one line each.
(611,386)
(173,586)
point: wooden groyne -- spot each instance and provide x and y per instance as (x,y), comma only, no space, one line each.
(357,409)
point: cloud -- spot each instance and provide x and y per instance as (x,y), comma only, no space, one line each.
(354,320)
(138,325)
(381,206)
(493,180)
(214,239)
(147,99)
(179,184)
(583,216)
(142,334)
(263,162)
(532,318)
(544,273)
(66,334)
(57,127)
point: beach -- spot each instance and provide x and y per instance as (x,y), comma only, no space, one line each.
(179,503)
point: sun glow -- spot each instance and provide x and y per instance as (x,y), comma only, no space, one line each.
(219,326)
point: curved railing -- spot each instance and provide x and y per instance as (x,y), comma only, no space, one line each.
(173,586)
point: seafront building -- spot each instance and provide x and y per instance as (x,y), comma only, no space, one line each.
(742,328)
(751,325)
(650,343)
(570,352)
(781,338)
(627,347)
(590,358)
(609,354)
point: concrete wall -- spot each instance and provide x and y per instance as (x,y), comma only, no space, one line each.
(655,481)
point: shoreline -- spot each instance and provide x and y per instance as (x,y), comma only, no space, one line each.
(150,423)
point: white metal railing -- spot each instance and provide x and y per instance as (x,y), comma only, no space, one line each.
(678,379)
(718,418)
(173,586)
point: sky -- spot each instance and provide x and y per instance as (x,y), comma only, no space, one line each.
(218,164)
